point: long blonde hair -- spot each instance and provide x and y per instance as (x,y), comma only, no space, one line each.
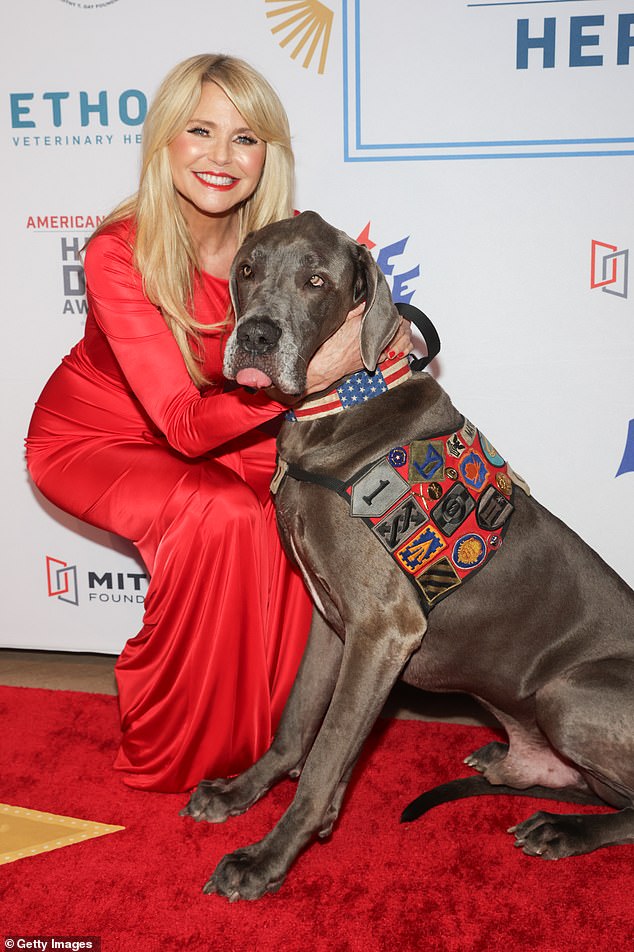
(164,253)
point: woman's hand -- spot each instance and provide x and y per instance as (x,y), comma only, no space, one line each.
(401,343)
(340,355)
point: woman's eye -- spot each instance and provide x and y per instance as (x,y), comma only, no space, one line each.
(246,270)
(246,140)
(316,281)
(199,131)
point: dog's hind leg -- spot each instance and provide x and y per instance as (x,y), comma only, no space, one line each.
(368,672)
(216,800)
(588,716)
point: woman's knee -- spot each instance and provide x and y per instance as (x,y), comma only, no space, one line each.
(228,501)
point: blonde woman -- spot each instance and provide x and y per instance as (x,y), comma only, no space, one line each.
(138,433)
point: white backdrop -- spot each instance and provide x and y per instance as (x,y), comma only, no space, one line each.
(485,149)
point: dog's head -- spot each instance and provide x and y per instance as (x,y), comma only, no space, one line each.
(292,284)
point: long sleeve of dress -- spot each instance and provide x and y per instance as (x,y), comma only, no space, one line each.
(152,363)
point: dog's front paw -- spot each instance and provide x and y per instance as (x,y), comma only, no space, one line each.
(216,800)
(247,873)
(552,836)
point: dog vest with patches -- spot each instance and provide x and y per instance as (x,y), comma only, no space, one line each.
(440,506)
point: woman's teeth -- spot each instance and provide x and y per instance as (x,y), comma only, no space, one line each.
(215,179)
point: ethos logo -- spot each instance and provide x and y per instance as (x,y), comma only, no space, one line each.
(57,108)
(609,268)
(113,587)
(63,117)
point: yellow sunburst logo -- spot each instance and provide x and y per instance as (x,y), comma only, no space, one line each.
(309,23)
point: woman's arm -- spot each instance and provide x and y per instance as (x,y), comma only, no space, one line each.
(152,363)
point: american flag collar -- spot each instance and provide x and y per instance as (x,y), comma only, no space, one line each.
(355,390)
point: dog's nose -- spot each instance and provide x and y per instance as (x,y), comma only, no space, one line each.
(258,335)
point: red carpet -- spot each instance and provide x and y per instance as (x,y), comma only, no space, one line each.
(451,882)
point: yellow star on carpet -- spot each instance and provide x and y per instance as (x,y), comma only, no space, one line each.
(29,832)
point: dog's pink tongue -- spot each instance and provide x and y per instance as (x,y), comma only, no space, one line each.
(250,377)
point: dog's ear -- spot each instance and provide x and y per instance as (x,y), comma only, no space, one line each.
(233,288)
(380,318)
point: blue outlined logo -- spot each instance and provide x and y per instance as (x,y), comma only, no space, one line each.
(481,80)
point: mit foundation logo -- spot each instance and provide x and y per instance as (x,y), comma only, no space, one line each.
(118,588)
(609,268)
(61,579)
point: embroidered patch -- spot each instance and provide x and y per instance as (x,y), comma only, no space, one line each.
(426,461)
(377,490)
(490,452)
(452,511)
(400,523)
(493,509)
(439,579)
(458,488)
(397,456)
(455,446)
(418,550)
(420,535)
(468,432)
(469,551)
(473,470)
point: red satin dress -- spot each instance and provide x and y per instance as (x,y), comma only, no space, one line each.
(123,439)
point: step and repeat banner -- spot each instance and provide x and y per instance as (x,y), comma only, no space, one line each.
(483,151)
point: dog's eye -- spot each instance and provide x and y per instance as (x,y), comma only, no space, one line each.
(316,281)
(246,271)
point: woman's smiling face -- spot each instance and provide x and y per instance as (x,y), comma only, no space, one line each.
(217,160)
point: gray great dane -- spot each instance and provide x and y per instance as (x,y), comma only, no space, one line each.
(542,636)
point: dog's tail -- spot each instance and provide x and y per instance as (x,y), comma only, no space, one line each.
(480,786)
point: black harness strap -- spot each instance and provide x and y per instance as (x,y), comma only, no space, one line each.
(330,482)
(427,329)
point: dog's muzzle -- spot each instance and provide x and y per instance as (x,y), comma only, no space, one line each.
(258,336)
